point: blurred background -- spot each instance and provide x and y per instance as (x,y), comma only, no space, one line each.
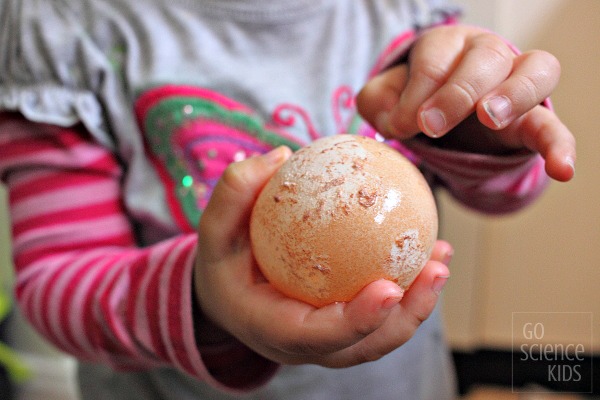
(541,263)
(538,266)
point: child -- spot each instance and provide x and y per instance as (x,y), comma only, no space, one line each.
(130,232)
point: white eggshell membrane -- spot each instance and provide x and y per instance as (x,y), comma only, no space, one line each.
(341,213)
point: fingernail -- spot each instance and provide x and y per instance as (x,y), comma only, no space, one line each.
(434,122)
(448,257)
(571,162)
(382,122)
(391,301)
(438,284)
(276,155)
(498,109)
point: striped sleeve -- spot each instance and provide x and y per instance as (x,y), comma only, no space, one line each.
(82,281)
(486,183)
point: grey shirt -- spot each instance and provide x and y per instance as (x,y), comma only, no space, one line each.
(294,63)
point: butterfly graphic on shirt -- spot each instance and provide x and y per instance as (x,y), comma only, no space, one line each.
(192,134)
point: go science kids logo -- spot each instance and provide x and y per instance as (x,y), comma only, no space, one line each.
(541,354)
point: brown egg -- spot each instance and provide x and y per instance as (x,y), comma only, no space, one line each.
(341,213)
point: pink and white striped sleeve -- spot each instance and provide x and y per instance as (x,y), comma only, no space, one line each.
(486,183)
(80,278)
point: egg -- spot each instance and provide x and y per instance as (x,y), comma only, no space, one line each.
(340,213)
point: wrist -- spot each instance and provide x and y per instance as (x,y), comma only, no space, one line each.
(207,332)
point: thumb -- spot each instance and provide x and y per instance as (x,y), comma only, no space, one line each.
(379,96)
(227,213)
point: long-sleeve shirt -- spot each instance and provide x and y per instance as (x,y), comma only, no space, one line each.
(119,118)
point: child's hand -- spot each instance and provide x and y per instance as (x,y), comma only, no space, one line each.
(456,71)
(234,295)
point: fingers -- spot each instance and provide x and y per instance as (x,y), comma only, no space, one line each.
(305,332)
(540,130)
(380,95)
(230,205)
(401,320)
(534,77)
(458,73)
(337,326)
(381,315)
(485,64)
(431,62)
(453,72)
(450,69)
(447,93)
(404,319)
(442,252)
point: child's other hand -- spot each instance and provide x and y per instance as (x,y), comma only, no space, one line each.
(234,295)
(457,71)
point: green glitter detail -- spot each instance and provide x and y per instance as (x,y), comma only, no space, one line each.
(187,181)
(170,114)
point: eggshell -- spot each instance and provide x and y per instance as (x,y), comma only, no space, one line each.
(340,213)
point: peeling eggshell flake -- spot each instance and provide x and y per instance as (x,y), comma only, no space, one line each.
(339,214)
